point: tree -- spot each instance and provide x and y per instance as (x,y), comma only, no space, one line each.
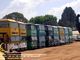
(16,16)
(68,18)
(46,20)
(78,23)
(50,20)
(37,20)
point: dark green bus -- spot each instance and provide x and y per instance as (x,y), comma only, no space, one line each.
(31,36)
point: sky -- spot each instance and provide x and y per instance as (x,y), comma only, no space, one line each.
(32,8)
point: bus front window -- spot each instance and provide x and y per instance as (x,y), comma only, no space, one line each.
(4,24)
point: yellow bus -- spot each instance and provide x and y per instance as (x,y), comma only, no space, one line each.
(9,34)
(22,34)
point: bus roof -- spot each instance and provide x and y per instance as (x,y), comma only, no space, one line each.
(21,22)
(48,25)
(9,20)
(30,23)
(60,26)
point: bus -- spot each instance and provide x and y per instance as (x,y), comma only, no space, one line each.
(22,35)
(9,34)
(40,35)
(31,36)
(49,35)
(70,34)
(55,35)
(66,32)
(61,35)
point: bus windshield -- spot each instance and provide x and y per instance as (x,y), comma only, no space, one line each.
(4,24)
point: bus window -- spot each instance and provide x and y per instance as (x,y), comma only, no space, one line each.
(34,38)
(4,24)
(13,24)
(33,31)
(13,38)
(22,38)
(17,38)
(22,26)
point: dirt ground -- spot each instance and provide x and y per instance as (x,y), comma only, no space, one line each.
(65,52)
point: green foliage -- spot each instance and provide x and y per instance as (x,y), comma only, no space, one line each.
(46,20)
(17,16)
(50,20)
(37,20)
(68,18)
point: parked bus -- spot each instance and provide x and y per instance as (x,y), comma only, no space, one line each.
(70,35)
(9,34)
(56,35)
(66,32)
(40,35)
(22,35)
(61,35)
(49,35)
(31,36)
